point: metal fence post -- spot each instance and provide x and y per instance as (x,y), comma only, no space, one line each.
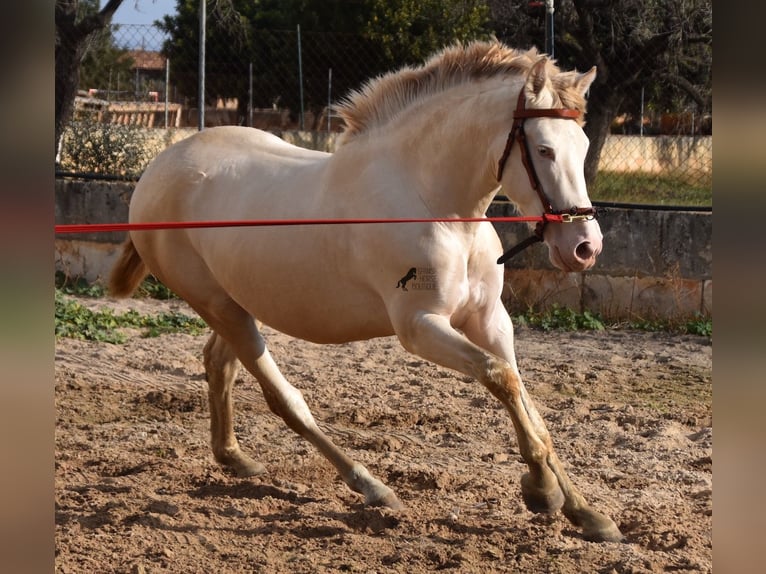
(300,74)
(201,86)
(167,89)
(329,99)
(250,95)
(549,43)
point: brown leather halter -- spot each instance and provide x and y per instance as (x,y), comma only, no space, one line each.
(550,214)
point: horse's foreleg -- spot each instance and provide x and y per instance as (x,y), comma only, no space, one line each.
(432,337)
(540,488)
(287,402)
(221,367)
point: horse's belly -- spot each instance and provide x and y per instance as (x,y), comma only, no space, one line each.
(321,314)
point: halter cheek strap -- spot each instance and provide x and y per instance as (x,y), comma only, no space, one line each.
(549,213)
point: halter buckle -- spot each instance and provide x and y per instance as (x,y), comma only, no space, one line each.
(569,218)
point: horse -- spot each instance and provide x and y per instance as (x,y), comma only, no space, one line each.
(430,141)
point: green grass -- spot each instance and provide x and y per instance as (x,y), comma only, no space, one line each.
(560,318)
(702,326)
(644,188)
(76,321)
(77,286)
(151,288)
(154,289)
(565,319)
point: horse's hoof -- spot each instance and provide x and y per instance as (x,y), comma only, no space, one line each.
(387,499)
(548,499)
(250,468)
(603,530)
(595,526)
(242,465)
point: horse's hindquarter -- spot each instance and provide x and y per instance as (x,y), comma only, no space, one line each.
(297,279)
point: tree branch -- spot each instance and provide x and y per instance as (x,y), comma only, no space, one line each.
(94,22)
(685,85)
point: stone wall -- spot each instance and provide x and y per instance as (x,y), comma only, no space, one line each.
(655,264)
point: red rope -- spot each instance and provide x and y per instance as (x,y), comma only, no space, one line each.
(104,227)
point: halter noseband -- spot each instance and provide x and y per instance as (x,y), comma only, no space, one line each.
(517,133)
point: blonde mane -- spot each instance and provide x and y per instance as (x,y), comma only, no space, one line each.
(383,98)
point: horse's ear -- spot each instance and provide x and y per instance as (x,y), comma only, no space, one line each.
(537,78)
(583,81)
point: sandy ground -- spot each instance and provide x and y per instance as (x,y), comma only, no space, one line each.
(137,489)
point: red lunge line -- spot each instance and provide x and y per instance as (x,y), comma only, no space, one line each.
(104,227)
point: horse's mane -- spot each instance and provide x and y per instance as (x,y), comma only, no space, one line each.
(383,98)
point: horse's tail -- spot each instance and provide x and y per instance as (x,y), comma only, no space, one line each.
(128,273)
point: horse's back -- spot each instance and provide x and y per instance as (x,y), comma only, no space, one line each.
(226,154)
(243,139)
(224,173)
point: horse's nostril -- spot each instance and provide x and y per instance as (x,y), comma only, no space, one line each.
(584,251)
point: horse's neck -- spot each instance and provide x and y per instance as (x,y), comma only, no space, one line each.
(452,142)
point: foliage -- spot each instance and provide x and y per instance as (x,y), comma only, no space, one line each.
(411,30)
(155,289)
(104,64)
(561,318)
(665,48)
(77,286)
(357,40)
(264,34)
(113,149)
(75,321)
(565,319)
(699,325)
(77,22)
(151,287)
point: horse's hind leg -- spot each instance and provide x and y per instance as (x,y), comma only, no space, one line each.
(221,367)
(238,335)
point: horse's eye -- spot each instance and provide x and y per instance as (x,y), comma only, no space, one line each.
(545,151)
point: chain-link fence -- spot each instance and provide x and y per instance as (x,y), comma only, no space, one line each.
(138,92)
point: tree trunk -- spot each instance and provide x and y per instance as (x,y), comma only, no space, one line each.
(603,104)
(72,37)
(68,59)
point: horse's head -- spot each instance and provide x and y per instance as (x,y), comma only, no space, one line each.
(545,157)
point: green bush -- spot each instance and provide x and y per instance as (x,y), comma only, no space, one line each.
(561,318)
(75,321)
(112,149)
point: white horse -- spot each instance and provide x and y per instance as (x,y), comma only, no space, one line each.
(426,142)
